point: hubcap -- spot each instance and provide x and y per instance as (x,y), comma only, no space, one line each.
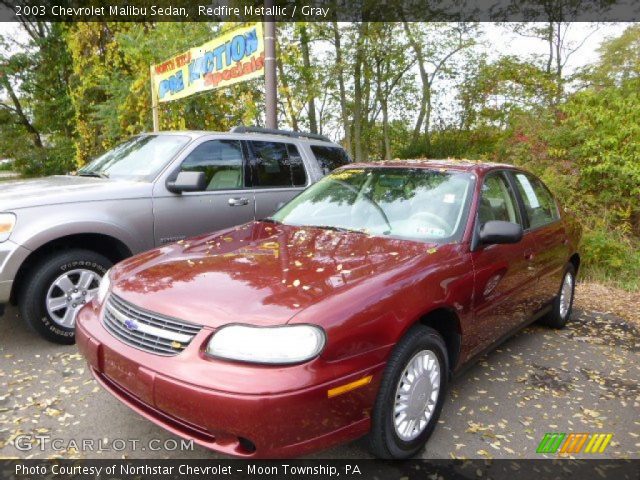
(416,395)
(566,292)
(68,293)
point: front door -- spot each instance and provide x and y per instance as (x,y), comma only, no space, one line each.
(502,274)
(225,202)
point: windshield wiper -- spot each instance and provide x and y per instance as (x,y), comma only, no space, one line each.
(335,229)
(93,174)
(270,220)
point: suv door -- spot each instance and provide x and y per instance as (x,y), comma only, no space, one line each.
(278,174)
(225,202)
(546,234)
(502,278)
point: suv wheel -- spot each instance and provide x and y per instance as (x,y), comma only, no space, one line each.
(411,395)
(563,303)
(60,285)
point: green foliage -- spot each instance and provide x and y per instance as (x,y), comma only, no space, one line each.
(76,90)
(36,126)
(612,258)
(588,151)
(110,86)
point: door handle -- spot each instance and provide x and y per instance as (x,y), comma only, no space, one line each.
(529,256)
(237,202)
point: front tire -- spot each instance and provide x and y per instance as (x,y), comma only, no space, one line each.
(58,286)
(563,303)
(411,395)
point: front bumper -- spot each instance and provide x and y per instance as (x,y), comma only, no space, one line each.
(281,411)
(12,256)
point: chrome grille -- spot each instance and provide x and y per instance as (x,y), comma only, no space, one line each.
(147,331)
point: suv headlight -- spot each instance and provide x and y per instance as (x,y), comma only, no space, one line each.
(7,222)
(280,345)
(103,289)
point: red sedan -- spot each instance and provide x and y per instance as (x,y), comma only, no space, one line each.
(343,314)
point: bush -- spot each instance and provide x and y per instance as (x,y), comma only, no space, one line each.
(611,257)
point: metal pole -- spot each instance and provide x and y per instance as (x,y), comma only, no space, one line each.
(270,75)
(154,103)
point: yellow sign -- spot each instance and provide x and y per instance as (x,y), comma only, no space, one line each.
(234,57)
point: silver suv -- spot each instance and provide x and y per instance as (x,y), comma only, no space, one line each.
(59,235)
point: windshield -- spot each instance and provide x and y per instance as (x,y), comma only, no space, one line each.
(138,157)
(414,204)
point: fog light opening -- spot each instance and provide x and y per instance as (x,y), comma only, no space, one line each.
(246,445)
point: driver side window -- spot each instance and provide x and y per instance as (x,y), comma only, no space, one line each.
(220,160)
(497,201)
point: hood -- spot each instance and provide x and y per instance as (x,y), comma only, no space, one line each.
(259,273)
(65,189)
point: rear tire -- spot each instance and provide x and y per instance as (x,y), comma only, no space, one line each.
(400,424)
(563,303)
(57,287)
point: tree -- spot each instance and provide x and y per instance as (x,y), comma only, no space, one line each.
(496,91)
(37,124)
(434,46)
(554,31)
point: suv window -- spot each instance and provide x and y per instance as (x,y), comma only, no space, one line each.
(220,160)
(277,165)
(497,201)
(539,204)
(330,158)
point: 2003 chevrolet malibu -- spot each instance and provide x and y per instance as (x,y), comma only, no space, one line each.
(343,314)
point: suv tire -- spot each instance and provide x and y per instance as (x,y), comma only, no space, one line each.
(390,438)
(56,289)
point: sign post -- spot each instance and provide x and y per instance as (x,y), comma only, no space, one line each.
(154,104)
(270,72)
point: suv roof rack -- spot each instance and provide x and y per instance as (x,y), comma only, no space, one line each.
(273,131)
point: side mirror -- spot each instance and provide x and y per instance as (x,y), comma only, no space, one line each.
(497,231)
(188,182)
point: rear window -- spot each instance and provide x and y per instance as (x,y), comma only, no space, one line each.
(330,158)
(538,202)
(278,165)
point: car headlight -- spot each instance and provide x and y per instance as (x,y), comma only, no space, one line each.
(7,222)
(103,289)
(273,345)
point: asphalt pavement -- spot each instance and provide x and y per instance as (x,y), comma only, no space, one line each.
(582,379)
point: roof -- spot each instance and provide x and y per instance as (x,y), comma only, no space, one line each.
(448,164)
(266,136)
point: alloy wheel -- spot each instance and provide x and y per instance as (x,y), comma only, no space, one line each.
(69,293)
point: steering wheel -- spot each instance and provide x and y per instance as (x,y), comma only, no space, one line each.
(432,218)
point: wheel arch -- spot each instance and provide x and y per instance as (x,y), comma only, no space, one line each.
(109,246)
(575,261)
(447,323)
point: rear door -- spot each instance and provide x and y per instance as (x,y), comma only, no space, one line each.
(277,173)
(502,277)
(548,241)
(226,201)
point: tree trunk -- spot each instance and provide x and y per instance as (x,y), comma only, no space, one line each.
(287,95)
(358,110)
(385,130)
(425,100)
(341,87)
(559,86)
(308,79)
